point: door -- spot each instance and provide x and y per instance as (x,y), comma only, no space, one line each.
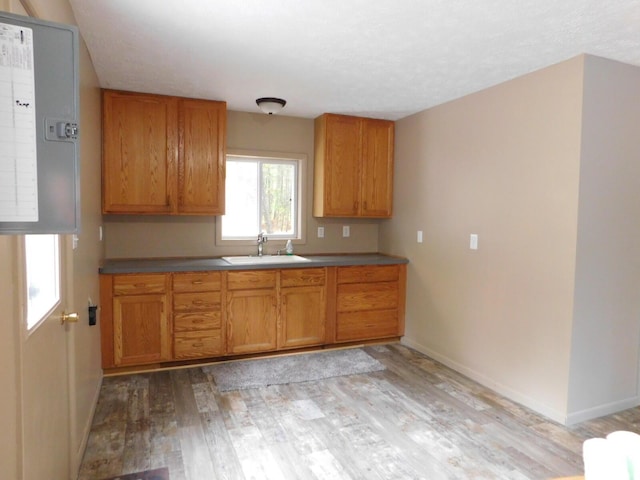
(46,391)
(251,317)
(302,316)
(342,165)
(377,168)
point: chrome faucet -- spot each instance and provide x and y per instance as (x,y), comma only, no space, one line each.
(262,239)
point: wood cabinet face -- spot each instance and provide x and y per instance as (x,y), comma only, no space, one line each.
(162,154)
(369,302)
(342,166)
(141,329)
(302,316)
(139,153)
(198,329)
(377,168)
(201,166)
(353,167)
(251,320)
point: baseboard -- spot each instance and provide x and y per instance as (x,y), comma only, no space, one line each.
(602,410)
(77,455)
(508,392)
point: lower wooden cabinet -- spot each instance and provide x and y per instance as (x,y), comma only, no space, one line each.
(164,317)
(369,302)
(302,307)
(252,311)
(141,330)
(198,330)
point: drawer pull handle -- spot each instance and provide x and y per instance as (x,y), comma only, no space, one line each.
(198,345)
(197,282)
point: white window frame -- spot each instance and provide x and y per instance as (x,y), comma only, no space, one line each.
(24,278)
(300,194)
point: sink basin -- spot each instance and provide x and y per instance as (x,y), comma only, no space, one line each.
(265,259)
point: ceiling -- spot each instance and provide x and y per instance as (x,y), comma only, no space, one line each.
(378,58)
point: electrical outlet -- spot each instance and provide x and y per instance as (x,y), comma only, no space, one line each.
(473,241)
(346,231)
(74,241)
(419,236)
(320,232)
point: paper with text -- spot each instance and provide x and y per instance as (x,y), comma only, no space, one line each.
(18,154)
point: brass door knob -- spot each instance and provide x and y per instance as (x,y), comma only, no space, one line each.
(69,318)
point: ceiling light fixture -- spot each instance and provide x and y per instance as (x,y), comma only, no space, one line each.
(271,105)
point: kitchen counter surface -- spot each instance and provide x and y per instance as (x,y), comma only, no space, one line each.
(188,264)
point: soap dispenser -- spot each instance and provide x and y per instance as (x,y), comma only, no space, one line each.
(289,248)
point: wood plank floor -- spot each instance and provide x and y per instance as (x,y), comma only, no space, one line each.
(415,420)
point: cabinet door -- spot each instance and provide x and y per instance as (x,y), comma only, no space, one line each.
(377,168)
(201,168)
(140,149)
(251,320)
(341,165)
(140,329)
(302,316)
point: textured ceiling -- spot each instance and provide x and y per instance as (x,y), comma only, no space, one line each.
(380,58)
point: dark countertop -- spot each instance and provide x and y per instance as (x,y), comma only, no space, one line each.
(190,264)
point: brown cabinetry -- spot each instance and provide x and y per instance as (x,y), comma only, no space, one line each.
(353,174)
(370,302)
(252,306)
(163,317)
(162,154)
(197,315)
(303,307)
(141,330)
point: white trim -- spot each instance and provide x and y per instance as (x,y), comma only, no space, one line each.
(76,457)
(602,410)
(302,160)
(508,392)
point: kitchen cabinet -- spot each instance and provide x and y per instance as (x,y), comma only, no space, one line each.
(370,302)
(353,170)
(302,308)
(252,306)
(158,318)
(197,315)
(140,309)
(162,154)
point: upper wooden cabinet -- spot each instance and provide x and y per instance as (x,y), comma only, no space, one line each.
(162,155)
(353,167)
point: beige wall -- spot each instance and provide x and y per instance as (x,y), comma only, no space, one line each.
(134,236)
(545,169)
(606,319)
(84,347)
(504,164)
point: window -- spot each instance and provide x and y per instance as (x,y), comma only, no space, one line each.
(262,195)
(42,255)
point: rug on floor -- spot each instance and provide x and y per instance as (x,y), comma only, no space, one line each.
(306,367)
(157,474)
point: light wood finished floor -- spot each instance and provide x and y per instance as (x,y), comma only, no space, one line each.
(415,420)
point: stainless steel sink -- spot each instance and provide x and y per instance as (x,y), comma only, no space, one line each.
(265,259)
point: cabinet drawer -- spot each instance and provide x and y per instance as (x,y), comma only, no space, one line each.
(185,302)
(301,277)
(139,284)
(196,282)
(367,296)
(366,325)
(197,344)
(189,322)
(368,273)
(250,279)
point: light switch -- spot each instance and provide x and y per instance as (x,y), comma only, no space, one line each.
(419,236)
(346,231)
(473,241)
(320,232)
